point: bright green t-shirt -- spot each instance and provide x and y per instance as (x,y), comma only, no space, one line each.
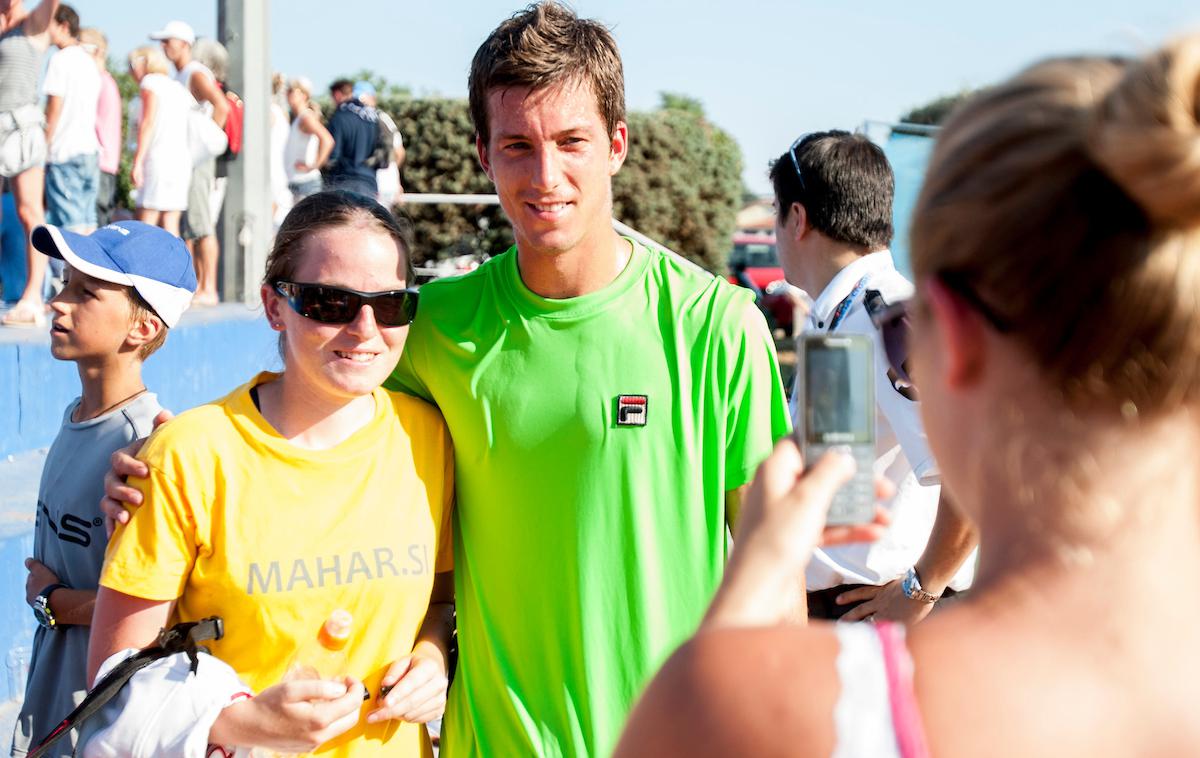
(587,544)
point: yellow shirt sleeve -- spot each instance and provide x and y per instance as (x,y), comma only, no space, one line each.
(152,556)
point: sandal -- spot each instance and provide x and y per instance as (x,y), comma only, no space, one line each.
(24,316)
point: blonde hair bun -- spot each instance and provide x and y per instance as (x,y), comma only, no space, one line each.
(1146,134)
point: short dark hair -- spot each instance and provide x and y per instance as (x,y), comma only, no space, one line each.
(544,45)
(846,189)
(65,14)
(341,86)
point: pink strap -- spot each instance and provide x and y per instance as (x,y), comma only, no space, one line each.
(906,717)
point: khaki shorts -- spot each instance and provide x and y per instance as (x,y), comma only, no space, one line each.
(201,219)
(22,140)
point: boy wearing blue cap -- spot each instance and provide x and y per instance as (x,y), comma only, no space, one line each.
(127,283)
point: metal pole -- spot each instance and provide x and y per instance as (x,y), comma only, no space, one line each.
(246,215)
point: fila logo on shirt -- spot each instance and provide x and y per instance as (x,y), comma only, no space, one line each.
(631,410)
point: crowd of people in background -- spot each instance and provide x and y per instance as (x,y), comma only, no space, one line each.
(564,492)
(61,161)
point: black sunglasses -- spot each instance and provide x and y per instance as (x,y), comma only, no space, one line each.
(796,161)
(891,319)
(336,305)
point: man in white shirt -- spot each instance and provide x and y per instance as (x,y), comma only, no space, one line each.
(73,151)
(833,202)
(200,222)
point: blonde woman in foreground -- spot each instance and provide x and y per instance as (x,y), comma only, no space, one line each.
(1056,247)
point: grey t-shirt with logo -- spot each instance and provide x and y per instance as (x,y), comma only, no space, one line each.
(69,538)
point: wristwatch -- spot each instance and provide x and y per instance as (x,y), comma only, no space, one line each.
(911,585)
(41,606)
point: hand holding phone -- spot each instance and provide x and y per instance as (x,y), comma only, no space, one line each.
(836,407)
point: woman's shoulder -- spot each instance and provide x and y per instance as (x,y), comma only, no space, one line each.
(409,408)
(192,431)
(751,691)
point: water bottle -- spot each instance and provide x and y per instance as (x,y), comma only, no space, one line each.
(323,656)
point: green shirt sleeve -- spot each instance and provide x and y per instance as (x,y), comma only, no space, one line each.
(406,377)
(756,408)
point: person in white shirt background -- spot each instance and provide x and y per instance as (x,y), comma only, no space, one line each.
(309,143)
(200,223)
(162,160)
(72,88)
(833,200)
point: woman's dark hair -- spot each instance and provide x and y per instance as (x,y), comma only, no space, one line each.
(325,210)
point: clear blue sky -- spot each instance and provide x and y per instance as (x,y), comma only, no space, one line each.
(766,70)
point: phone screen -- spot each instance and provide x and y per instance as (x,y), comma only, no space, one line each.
(838,403)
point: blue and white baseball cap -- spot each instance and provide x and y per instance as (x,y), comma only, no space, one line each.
(363,88)
(153,261)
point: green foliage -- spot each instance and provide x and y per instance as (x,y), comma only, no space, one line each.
(128,87)
(439,140)
(385,91)
(676,101)
(935,112)
(681,184)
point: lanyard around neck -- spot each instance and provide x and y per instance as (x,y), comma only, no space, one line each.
(843,308)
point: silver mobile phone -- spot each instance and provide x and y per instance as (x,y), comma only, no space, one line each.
(836,406)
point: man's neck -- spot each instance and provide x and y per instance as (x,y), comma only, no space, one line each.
(585,269)
(107,385)
(825,262)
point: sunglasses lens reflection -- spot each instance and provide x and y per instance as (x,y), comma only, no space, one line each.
(331,305)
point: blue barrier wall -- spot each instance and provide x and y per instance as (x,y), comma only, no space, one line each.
(208,354)
(12,250)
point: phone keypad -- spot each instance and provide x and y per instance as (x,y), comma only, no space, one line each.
(854,502)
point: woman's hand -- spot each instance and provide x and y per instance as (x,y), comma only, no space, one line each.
(138,175)
(781,522)
(414,687)
(296,716)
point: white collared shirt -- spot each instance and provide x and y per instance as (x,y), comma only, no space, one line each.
(901,451)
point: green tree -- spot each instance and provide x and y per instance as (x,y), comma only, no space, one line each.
(676,101)
(440,144)
(681,184)
(128,87)
(935,112)
(385,90)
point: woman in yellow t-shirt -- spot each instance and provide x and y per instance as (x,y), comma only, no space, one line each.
(300,494)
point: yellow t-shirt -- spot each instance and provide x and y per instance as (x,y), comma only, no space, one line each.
(239,523)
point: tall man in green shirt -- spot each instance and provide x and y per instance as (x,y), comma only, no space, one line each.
(606,401)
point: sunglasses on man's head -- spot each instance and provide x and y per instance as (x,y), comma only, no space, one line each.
(796,161)
(337,305)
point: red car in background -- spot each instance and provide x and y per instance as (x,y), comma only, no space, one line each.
(754,263)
